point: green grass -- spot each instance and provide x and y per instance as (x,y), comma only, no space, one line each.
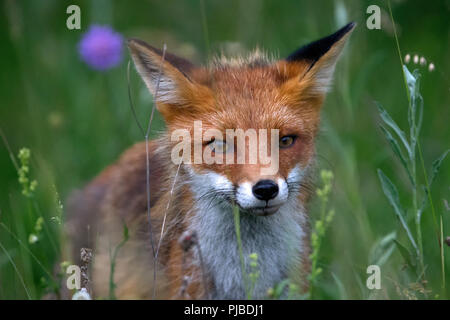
(75,121)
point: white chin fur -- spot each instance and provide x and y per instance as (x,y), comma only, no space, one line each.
(277,238)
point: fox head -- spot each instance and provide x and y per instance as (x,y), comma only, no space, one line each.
(267,104)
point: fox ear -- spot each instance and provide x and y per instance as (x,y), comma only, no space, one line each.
(165,74)
(320,58)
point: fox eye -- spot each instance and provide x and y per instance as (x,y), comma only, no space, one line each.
(287,141)
(218,146)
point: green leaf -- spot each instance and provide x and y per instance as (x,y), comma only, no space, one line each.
(437,165)
(396,148)
(410,81)
(125,233)
(341,288)
(442,253)
(113,257)
(416,105)
(390,190)
(424,202)
(405,254)
(382,249)
(280,287)
(393,125)
(419,108)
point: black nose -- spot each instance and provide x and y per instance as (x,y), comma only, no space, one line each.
(265,190)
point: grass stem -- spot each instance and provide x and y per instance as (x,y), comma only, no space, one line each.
(17,271)
(237,227)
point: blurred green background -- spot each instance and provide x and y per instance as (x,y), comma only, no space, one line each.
(76,120)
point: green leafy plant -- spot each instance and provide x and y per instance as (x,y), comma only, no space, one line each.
(237,226)
(34,237)
(113,257)
(28,186)
(320,226)
(285,289)
(254,272)
(408,151)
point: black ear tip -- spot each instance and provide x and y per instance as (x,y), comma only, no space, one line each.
(350,26)
(314,50)
(344,30)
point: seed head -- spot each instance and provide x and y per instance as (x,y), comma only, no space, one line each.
(423,61)
(407,58)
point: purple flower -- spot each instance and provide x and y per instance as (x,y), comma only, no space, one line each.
(101,47)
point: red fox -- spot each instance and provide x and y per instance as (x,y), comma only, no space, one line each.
(194,198)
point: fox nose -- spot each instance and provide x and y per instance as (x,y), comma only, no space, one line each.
(265,190)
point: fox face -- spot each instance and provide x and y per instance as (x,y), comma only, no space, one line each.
(248,124)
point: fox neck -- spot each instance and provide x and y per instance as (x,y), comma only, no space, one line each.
(276,239)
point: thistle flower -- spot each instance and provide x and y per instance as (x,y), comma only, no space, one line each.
(101,47)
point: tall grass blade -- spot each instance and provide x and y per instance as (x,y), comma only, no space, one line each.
(398,152)
(340,286)
(390,190)
(437,166)
(424,202)
(130,99)
(112,285)
(382,249)
(442,255)
(237,227)
(393,125)
(26,249)
(405,254)
(16,270)
(11,154)
(205,28)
